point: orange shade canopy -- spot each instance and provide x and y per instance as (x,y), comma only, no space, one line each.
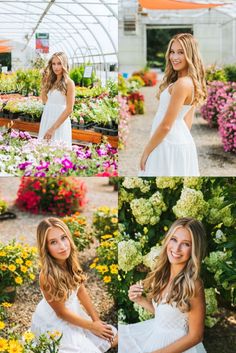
(4,46)
(174,5)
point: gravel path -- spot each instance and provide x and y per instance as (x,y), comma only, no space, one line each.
(213,161)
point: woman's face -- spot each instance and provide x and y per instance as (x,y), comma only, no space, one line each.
(177,57)
(58,244)
(179,247)
(57,66)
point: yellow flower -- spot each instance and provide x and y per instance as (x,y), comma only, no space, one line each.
(54,334)
(24,255)
(23,269)
(19,261)
(105,244)
(18,280)
(12,268)
(3,253)
(102,268)
(28,336)
(96,259)
(3,267)
(6,305)
(114,220)
(93,265)
(114,269)
(32,276)
(28,263)
(3,345)
(2,325)
(107,279)
(106,236)
(15,347)
(165,228)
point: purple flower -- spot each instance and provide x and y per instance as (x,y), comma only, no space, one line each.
(43,165)
(22,166)
(101,152)
(39,174)
(67,163)
(14,134)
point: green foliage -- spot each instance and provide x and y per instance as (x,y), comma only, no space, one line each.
(77,75)
(215,73)
(212,200)
(3,206)
(28,81)
(230,71)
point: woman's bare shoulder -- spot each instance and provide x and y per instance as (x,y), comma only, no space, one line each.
(184,82)
(70,82)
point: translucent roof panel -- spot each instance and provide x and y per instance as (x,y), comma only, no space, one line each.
(87,30)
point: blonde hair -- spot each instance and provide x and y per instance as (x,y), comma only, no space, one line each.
(195,67)
(49,77)
(59,282)
(183,286)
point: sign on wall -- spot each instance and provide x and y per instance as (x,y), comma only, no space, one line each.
(42,42)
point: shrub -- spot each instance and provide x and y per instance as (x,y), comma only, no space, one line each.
(227,125)
(61,196)
(215,73)
(230,71)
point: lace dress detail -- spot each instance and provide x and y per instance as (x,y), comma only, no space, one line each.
(75,339)
(176,155)
(169,325)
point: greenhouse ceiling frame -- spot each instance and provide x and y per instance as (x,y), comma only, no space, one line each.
(45,18)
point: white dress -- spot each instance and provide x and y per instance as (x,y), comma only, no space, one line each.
(169,325)
(54,106)
(75,339)
(176,155)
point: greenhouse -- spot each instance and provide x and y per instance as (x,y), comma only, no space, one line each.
(84,36)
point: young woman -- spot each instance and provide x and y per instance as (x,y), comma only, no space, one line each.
(58,95)
(174,294)
(62,284)
(171,150)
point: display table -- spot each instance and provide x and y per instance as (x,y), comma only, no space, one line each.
(77,135)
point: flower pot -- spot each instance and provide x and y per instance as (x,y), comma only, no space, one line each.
(8,294)
(106,131)
(82,126)
(7,215)
(25,117)
(13,116)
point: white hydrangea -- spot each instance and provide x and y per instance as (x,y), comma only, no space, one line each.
(121,316)
(135,182)
(191,204)
(193,182)
(143,314)
(129,255)
(167,182)
(149,259)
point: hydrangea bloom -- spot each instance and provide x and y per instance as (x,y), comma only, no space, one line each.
(218,213)
(191,204)
(149,259)
(143,314)
(135,182)
(211,307)
(129,254)
(167,182)
(193,182)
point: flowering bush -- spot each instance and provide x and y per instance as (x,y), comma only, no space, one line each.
(147,208)
(25,105)
(215,73)
(3,206)
(105,264)
(227,124)
(22,155)
(78,227)
(136,103)
(148,77)
(17,265)
(105,220)
(123,121)
(61,196)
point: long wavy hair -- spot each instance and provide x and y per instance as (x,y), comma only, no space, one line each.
(195,67)
(49,77)
(182,287)
(59,281)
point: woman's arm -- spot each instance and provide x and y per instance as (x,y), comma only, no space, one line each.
(135,295)
(189,117)
(70,100)
(182,90)
(99,328)
(196,325)
(85,300)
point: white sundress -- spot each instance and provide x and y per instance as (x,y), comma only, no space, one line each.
(75,339)
(54,106)
(169,325)
(176,155)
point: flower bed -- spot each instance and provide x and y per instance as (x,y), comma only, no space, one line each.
(124,121)
(149,77)
(79,229)
(44,195)
(30,106)
(21,155)
(227,124)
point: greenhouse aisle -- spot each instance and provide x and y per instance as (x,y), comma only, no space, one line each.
(213,161)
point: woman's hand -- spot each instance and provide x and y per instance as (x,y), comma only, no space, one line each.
(48,135)
(101,329)
(143,160)
(135,293)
